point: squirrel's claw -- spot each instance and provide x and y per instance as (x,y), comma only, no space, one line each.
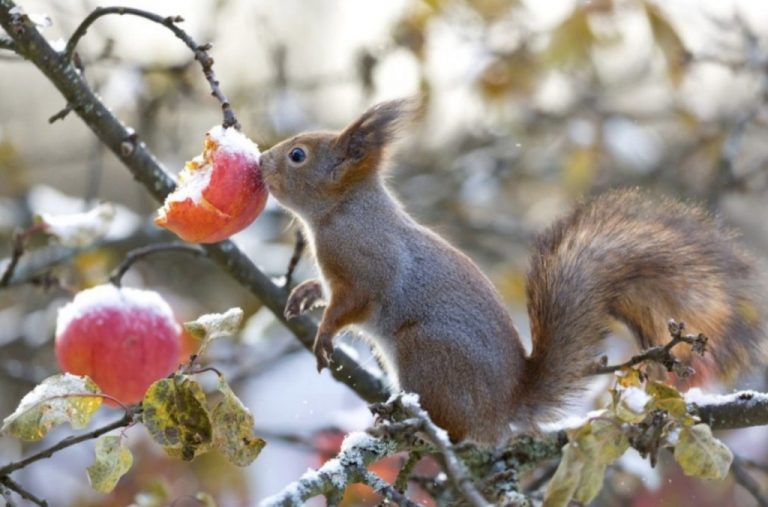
(322,348)
(303,298)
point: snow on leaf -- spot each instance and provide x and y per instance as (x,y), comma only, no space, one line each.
(632,404)
(113,460)
(56,400)
(700,454)
(176,416)
(81,229)
(233,429)
(215,325)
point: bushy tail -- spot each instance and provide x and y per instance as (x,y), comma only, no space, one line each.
(642,261)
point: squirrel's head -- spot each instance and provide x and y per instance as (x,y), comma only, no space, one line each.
(310,172)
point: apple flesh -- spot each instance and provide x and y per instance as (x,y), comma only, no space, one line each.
(220,192)
(122,338)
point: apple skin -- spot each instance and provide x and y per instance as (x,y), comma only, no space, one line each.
(123,339)
(234,196)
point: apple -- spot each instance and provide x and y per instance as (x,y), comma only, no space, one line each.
(220,192)
(122,338)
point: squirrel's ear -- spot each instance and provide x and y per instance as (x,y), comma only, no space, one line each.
(361,145)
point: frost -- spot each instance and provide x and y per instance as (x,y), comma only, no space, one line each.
(105,296)
(81,229)
(358,439)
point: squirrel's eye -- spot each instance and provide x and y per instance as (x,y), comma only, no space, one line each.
(297,155)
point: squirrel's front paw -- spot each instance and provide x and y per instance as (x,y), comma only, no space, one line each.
(322,348)
(303,297)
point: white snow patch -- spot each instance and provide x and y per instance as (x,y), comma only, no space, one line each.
(191,183)
(108,296)
(80,230)
(357,440)
(232,140)
(635,399)
(697,396)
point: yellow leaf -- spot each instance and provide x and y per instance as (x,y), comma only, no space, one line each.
(700,454)
(176,416)
(113,460)
(233,429)
(56,400)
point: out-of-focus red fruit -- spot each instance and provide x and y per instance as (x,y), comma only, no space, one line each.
(123,339)
(220,192)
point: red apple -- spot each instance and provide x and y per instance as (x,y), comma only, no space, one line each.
(123,339)
(220,192)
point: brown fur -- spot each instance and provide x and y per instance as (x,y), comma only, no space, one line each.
(439,326)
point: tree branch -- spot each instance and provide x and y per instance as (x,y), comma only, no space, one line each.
(200,51)
(145,168)
(141,252)
(126,420)
(22,492)
(662,354)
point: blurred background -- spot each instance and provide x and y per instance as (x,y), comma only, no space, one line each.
(530,105)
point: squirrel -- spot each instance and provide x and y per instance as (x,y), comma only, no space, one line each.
(438,325)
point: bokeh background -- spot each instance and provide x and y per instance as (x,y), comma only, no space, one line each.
(530,105)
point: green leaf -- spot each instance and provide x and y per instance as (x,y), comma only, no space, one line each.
(176,416)
(113,460)
(205,499)
(667,398)
(700,454)
(563,484)
(233,429)
(212,326)
(610,439)
(56,400)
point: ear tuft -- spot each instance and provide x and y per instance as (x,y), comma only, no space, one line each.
(378,127)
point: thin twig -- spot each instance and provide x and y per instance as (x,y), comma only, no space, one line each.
(200,51)
(401,482)
(298,250)
(662,354)
(747,481)
(141,252)
(126,420)
(19,242)
(454,468)
(61,114)
(22,492)
(385,489)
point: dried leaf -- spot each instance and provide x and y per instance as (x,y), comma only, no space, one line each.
(700,454)
(669,41)
(113,460)
(176,416)
(56,400)
(233,429)
(215,325)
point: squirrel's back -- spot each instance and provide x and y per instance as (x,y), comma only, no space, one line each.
(641,260)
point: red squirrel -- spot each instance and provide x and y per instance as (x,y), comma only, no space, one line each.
(438,325)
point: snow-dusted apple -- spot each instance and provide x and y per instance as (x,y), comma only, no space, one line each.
(122,338)
(220,192)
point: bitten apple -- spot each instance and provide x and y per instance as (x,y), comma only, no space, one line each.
(220,192)
(123,339)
